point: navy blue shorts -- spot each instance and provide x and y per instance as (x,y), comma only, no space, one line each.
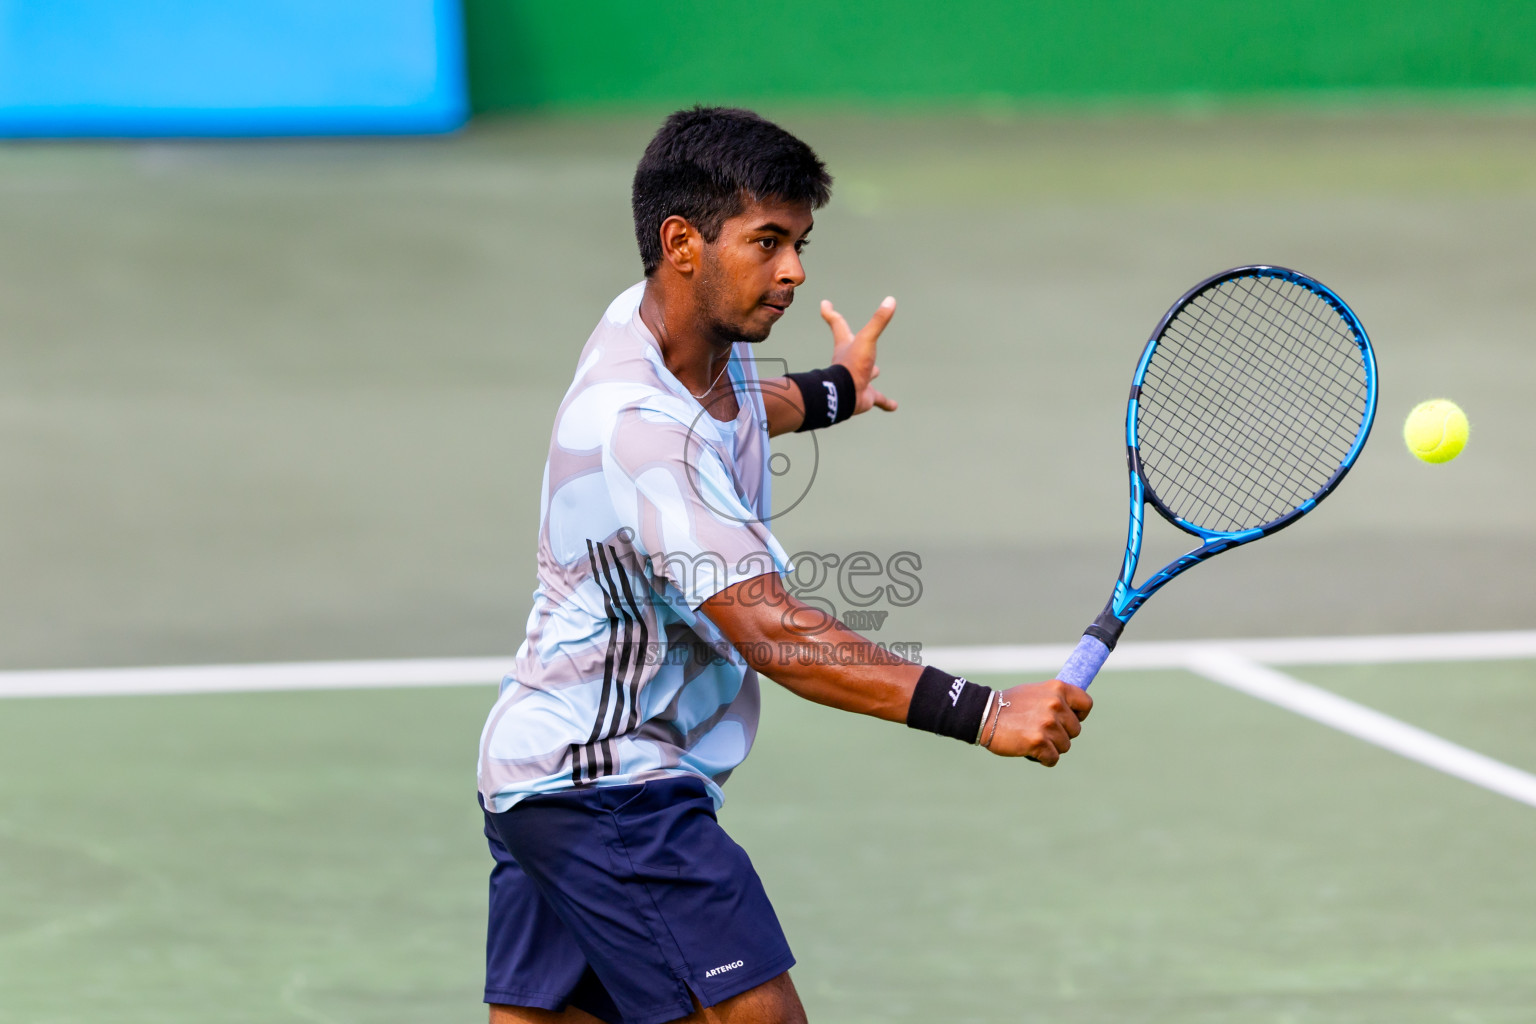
(625,902)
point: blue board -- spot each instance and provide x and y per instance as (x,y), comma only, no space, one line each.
(230,67)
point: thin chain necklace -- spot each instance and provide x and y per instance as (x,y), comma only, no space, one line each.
(716,384)
(666,341)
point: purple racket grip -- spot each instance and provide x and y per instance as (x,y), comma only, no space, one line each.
(1084,663)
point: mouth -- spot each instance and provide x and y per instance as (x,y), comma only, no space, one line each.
(777,303)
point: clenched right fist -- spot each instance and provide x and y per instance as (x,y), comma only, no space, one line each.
(1037,721)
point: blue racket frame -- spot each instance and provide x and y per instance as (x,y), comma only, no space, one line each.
(1101,636)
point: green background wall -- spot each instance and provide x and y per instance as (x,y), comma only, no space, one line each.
(555,53)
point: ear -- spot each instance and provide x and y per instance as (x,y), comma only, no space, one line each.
(681,244)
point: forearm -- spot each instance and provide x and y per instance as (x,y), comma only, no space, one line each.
(835,666)
(813,655)
(784,404)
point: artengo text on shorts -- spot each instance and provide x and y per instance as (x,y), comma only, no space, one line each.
(723,968)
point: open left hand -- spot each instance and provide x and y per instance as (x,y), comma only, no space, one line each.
(857,352)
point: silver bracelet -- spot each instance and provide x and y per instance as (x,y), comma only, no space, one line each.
(986,711)
(993,734)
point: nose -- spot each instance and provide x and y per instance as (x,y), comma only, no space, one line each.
(791,270)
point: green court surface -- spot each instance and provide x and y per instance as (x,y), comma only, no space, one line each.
(290,401)
(1199,856)
(1487,706)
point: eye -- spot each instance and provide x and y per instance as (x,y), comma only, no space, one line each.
(768,243)
(800,245)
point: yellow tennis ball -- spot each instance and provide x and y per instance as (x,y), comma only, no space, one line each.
(1436,430)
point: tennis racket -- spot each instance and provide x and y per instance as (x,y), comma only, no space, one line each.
(1250,403)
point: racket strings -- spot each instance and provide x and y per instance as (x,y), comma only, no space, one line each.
(1255,450)
(1338,350)
(1258,447)
(1238,440)
(1225,417)
(1283,378)
(1266,432)
(1253,397)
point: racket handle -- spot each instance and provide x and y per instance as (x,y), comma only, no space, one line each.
(1084,663)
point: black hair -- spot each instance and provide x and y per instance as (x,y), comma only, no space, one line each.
(705,164)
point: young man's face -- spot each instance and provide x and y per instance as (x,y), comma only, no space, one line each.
(748,277)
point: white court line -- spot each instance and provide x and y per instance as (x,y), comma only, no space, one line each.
(1240,664)
(1328,650)
(977,660)
(1364,723)
(305,675)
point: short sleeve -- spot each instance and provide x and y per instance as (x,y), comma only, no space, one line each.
(673,490)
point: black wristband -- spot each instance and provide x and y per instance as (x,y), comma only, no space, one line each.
(948,705)
(828,395)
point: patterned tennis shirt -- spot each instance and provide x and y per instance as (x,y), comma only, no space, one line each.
(649,507)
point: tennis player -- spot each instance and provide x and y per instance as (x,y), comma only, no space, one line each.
(615,895)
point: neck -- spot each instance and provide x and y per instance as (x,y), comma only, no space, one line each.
(690,351)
